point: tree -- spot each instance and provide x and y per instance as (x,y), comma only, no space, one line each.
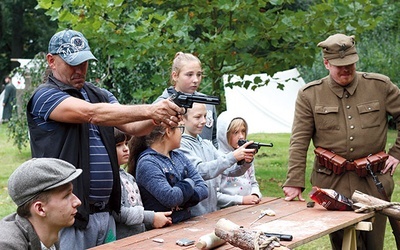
(135,41)
(20,34)
(379,48)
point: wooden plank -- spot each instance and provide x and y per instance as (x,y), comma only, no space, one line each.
(312,223)
(305,224)
(189,228)
(201,225)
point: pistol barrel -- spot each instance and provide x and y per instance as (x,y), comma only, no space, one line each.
(205,99)
(265,144)
(255,144)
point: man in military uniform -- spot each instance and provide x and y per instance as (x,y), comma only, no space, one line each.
(344,113)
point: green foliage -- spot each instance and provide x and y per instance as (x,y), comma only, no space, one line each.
(18,126)
(24,31)
(378,49)
(135,41)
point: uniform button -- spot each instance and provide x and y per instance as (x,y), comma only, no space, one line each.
(352,126)
(369,108)
(351,149)
(351,138)
(348,106)
(347,96)
(349,117)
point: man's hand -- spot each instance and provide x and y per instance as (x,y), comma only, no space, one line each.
(391,164)
(292,192)
(167,113)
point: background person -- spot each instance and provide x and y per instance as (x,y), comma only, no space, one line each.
(10,93)
(345,112)
(133,219)
(74,120)
(186,76)
(208,161)
(42,190)
(236,190)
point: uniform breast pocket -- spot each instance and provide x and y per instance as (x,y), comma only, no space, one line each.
(326,118)
(369,114)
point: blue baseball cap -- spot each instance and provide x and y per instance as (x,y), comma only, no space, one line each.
(71,46)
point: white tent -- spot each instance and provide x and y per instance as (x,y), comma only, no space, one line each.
(267,109)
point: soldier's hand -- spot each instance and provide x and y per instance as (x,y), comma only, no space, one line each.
(292,192)
(391,165)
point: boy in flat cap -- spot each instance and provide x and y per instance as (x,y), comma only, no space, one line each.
(345,113)
(72,119)
(42,190)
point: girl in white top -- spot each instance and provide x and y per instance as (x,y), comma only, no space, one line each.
(240,190)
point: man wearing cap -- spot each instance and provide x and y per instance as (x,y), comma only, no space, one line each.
(344,113)
(74,120)
(42,190)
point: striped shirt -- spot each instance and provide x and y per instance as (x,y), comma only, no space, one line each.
(101,176)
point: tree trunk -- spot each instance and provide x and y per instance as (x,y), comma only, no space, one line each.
(362,200)
(242,238)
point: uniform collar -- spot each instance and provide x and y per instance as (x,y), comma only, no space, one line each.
(338,90)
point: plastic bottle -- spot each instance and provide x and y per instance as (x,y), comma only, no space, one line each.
(209,241)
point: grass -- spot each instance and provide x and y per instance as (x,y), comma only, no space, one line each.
(11,158)
(271,167)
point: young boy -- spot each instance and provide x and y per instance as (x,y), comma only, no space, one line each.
(133,219)
(240,190)
(209,162)
(42,190)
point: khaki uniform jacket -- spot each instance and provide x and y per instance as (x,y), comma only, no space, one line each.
(351,121)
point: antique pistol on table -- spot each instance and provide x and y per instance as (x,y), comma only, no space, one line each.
(186,100)
(283,237)
(254,145)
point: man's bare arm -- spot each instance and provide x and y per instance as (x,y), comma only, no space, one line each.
(126,117)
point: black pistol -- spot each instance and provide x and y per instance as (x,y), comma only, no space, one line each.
(283,237)
(254,145)
(186,100)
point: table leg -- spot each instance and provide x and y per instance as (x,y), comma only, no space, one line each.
(350,237)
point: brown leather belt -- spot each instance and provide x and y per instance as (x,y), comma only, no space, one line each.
(339,165)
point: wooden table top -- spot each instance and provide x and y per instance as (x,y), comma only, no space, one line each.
(294,218)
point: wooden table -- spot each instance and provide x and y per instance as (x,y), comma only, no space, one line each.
(305,224)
